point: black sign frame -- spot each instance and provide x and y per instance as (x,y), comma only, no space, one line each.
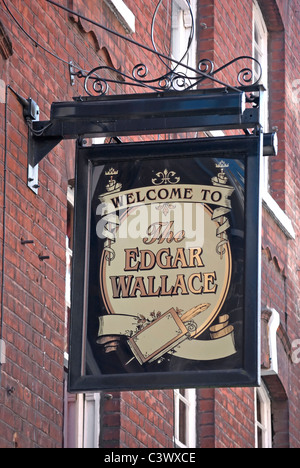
(245,148)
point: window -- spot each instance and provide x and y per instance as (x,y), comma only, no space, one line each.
(260,53)
(69,245)
(185,418)
(263,422)
(81,412)
(123,13)
(260,44)
(183,34)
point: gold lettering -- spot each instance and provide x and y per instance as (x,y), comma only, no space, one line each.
(162,232)
(153,232)
(151,292)
(188,258)
(180,284)
(209,279)
(139,286)
(180,257)
(128,286)
(131,254)
(195,256)
(191,283)
(164,291)
(143,264)
(169,257)
(121,287)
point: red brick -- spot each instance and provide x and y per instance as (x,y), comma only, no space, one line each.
(34,305)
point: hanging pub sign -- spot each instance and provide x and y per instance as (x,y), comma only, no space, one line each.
(165,287)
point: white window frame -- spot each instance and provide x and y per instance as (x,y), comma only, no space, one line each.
(82,411)
(69,255)
(189,400)
(181,30)
(82,420)
(123,13)
(265,425)
(260,52)
(260,46)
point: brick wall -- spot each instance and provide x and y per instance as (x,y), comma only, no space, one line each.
(31,394)
(287,192)
(229,34)
(34,313)
(137,420)
(234,418)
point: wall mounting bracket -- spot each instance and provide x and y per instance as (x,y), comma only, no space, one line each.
(148,113)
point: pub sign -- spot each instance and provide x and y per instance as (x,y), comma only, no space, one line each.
(165,284)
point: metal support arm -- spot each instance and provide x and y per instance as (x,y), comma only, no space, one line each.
(141,114)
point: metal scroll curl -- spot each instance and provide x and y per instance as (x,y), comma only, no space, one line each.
(178,76)
(97,82)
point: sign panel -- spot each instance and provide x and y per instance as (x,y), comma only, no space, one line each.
(166,265)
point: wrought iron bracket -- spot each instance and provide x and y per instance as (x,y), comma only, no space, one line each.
(144,114)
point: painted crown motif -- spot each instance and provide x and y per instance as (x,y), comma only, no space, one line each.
(222,165)
(111,172)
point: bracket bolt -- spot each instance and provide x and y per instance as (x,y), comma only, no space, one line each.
(24,242)
(43,257)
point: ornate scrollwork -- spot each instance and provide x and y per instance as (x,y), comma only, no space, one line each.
(97,81)
(100,86)
(191,327)
(206,66)
(178,76)
(245,76)
(165,177)
(140,71)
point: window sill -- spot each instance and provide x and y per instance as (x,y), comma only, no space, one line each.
(279,216)
(123,13)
